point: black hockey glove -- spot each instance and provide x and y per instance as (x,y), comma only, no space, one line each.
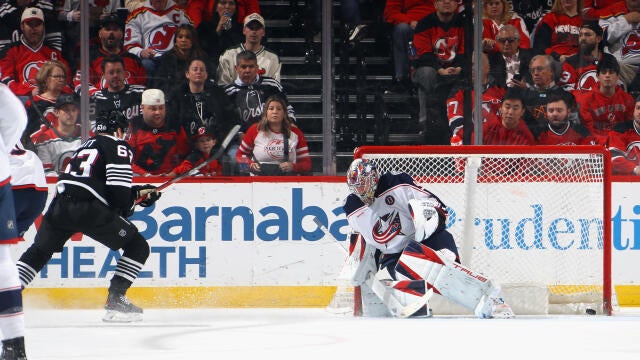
(147,192)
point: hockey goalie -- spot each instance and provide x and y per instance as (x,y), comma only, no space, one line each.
(408,255)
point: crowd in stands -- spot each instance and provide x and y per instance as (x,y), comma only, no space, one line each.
(185,72)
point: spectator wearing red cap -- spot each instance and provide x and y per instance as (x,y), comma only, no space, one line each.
(21,62)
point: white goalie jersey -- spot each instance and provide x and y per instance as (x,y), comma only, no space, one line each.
(387,224)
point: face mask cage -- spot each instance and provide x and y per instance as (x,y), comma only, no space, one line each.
(362,180)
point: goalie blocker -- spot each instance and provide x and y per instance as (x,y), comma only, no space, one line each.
(404,235)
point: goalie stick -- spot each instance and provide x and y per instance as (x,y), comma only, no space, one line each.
(223,147)
(385,289)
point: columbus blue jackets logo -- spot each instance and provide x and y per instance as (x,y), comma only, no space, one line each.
(387,227)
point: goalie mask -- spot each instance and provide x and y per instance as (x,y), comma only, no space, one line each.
(362,179)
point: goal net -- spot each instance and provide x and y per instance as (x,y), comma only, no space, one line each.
(536,220)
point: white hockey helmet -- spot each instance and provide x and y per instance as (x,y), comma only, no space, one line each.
(362,179)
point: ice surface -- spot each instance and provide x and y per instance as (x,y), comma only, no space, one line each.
(303,334)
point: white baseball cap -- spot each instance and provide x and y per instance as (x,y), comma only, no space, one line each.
(32,13)
(254,17)
(152,97)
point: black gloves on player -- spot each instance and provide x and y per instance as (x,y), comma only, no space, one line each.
(148,194)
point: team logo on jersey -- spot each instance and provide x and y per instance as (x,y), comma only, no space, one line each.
(30,71)
(587,80)
(387,227)
(161,38)
(389,200)
(446,48)
(631,44)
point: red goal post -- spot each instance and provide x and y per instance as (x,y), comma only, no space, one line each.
(536,219)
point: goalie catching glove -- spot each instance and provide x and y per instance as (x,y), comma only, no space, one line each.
(426,218)
(147,193)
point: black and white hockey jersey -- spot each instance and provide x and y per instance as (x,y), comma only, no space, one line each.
(249,99)
(101,168)
(126,100)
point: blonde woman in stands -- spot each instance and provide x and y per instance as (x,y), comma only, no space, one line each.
(274,146)
(496,14)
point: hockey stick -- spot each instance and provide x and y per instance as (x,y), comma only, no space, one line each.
(385,289)
(223,147)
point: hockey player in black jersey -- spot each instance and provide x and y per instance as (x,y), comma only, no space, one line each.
(95,196)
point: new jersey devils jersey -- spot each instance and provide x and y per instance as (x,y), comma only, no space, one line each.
(126,100)
(624,145)
(197,157)
(20,64)
(387,224)
(600,113)
(148,28)
(439,45)
(570,134)
(134,71)
(157,150)
(557,34)
(491,101)
(55,150)
(101,167)
(249,99)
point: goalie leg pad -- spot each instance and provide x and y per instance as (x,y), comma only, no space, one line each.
(401,298)
(366,265)
(449,279)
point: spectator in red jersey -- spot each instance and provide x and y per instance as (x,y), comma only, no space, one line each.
(561,131)
(510,65)
(173,64)
(622,36)
(204,148)
(159,145)
(21,62)
(205,10)
(608,104)
(509,127)
(596,9)
(557,32)
(149,31)
(579,70)
(40,108)
(274,146)
(496,14)
(491,101)
(110,35)
(624,145)
(55,145)
(439,42)
(222,30)
(404,16)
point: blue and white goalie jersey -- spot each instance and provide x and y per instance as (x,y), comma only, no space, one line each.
(387,223)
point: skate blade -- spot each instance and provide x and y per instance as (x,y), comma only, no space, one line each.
(120,317)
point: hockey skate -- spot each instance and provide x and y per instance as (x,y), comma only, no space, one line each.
(13,349)
(493,307)
(120,309)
